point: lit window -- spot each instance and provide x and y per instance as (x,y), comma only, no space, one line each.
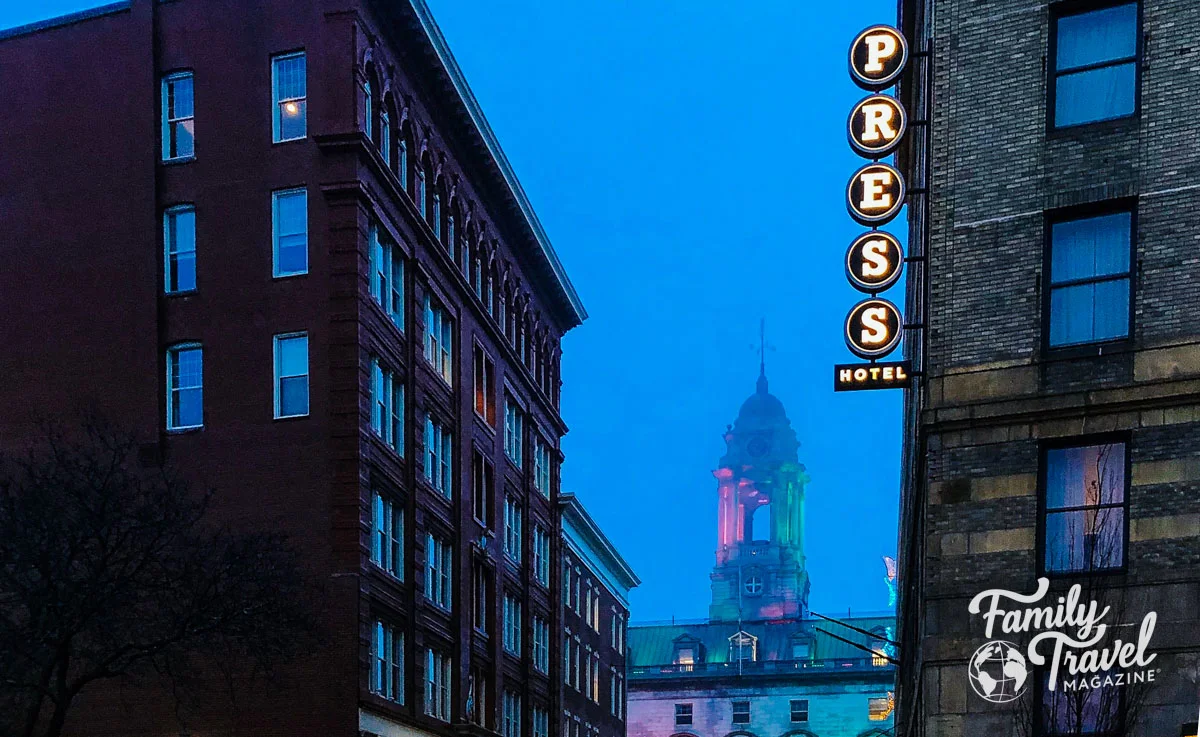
(178,116)
(741,712)
(683,715)
(685,656)
(485,387)
(439,340)
(799,709)
(541,465)
(387,406)
(512,714)
(387,274)
(541,555)
(482,488)
(179,251)
(439,452)
(1089,279)
(512,528)
(541,644)
(439,558)
(291,97)
(879,708)
(512,624)
(387,662)
(291,375)
(387,535)
(185,387)
(289,210)
(437,685)
(1085,505)
(514,421)
(1095,65)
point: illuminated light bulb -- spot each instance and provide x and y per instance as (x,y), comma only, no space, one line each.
(292,108)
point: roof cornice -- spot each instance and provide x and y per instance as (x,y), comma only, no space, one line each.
(579,519)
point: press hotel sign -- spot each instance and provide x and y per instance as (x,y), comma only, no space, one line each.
(874,196)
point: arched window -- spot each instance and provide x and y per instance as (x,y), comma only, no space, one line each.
(451,238)
(419,191)
(436,212)
(385,135)
(402,158)
(368,110)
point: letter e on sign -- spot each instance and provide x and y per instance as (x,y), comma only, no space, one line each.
(877,57)
(873,328)
(875,194)
(874,261)
(876,127)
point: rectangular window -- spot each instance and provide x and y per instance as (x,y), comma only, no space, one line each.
(387,405)
(799,710)
(437,685)
(879,708)
(185,387)
(1089,279)
(291,375)
(289,220)
(1085,508)
(541,555)
(439,340)
(436,216)
(439,455)
(387,274)
(439,558)
(541,465)
(482,598)
(290,91)
(566,582)
(1080,713)
(1095,67)
(514,429)
(512,714)
(541,722)
(741,712)
(541,644)
(512,528)
(179,249)
(482,488)
(485,387)
(178,116)
(595,679)
(387,662)
(481,690)
(683,715)
(512,624)
(387,535)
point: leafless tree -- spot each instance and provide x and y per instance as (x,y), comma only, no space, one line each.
(111,569)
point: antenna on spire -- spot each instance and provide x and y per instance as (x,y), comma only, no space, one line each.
(762,346)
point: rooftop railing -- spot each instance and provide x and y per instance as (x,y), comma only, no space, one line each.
(766,667)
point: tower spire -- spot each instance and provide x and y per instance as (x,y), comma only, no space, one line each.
(762,355)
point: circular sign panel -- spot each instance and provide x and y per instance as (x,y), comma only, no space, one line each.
(875,194)
(873,328)
(874,261)
(877,57)
(876,126)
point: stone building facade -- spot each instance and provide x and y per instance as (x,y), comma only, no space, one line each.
(760,665)
(280,242)
(1055,431)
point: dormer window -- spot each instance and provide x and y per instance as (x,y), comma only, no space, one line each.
(743,647)
(685,656)
(802,647)
(688,652)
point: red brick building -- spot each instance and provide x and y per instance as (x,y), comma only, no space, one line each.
(280,240)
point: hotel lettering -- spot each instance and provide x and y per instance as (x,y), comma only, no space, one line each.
(874,196)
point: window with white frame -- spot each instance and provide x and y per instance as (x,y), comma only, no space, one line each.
(291,375)
(541,722)
(595,677)
(485,386)
(512,528)
(439,559)
(291,97)
(741,712)
(512,714)
(566,582)
(512,624)
(178,116)
(596,611)
(387,661)
(483,488)
(799,710)
(387,535)
(179,249)
(514,428)
(437,684)
(289,220)
(387,405)
(541,555)
(439,457)
(541,465)
(387,274)
(439,339)
(185,387)
(541,644)
(482,597)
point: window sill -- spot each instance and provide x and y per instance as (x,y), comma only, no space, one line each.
(181,293)
(184,430)
(279,141)
(178,160)
(285,418)
(1086,130)
(1118,346)
(291,275)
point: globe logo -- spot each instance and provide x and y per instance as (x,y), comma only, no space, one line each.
(998,672)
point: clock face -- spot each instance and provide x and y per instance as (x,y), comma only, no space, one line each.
(757,447)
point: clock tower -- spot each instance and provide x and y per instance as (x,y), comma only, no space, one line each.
(760,573)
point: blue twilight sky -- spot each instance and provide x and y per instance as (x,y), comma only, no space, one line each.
(688,159)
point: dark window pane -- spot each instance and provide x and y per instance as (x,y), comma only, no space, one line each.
(1097,37)
(1097,94)
(293,396)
